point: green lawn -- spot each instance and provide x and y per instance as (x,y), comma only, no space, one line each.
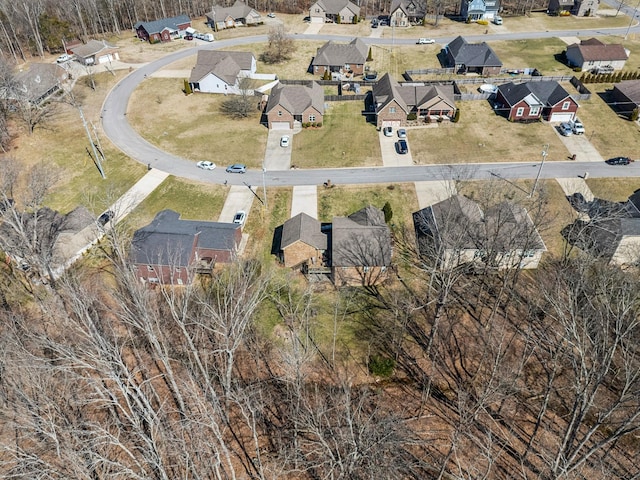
(614,189)
(345,140)
(538,54)
(195,128)
(262,222)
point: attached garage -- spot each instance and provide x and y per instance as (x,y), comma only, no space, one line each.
(280,126)
(561,117)
(391,123)
(317,19)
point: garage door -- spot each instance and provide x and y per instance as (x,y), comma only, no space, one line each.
(317,20)
(105,58)
(280,126)
(391,123)
(561,117)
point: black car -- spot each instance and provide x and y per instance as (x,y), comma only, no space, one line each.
(619,161)
(402,147)
(105,217)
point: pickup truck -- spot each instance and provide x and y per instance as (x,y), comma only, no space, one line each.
(576,126)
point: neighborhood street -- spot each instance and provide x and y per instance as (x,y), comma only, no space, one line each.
(120,132)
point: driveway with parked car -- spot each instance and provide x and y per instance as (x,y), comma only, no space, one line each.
(389,149)
(277,156)
(580,146)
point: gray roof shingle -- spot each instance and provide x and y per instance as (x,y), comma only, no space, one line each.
(334,7)
(92,47)
(296,98)
(303,228)
(156,26)
(548,92)
(593,50)
(473,54)
(338,54)
(630,89)
(239,10)
(224,65)
(361,239)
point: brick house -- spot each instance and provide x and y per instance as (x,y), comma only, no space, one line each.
(394,102)
(94,52)
(354,250)
(171,251)
(336,11)
(592,54)
(404,13)
(579,8)
(457,232)
(531,101)
(238,14)
(472,58)
(303,242)
(217,71)
(163,30)
(344,58)
(288,104)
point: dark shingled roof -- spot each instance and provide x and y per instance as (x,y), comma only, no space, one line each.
(157,26)
(305,229)
(361,239)
(224,65)
(549,93)
(296,98)
(92,47)
(237,10)
(167,240)
(333,7)
(630,89)
(593,50)
(405,6)
(338,54)
(473,54)
(387,90)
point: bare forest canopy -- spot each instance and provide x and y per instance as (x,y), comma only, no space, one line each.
(32,27)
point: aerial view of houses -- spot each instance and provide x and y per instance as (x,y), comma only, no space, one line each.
(338,239)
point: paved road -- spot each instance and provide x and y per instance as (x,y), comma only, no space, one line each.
(119,131)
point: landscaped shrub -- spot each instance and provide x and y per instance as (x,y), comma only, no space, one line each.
(306,125)
(388,212)
(577,69)
(355,19)
(187,87)
(634,115)
(483,22)
(370,56)
(412,116)
(381,366)
(327,75)
(319,124)
(456,117)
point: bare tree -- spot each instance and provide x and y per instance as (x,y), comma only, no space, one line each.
(280,46)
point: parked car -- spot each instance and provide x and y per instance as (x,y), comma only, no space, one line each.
(383,23)
(577,127)
(371,77)
(374,25)
(497,20)
(206,165)
(240,217)
(65,57)
(619,161)
(402,146)
(425,41)
(388,131)
(271,15)
(402,133)
(565,129)
(284,141)
(306,19)
(237,168)
(105,217)
(188,37)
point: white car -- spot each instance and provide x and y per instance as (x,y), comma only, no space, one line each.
(65,57)
(577,127)
(206,165)
(402,133)
(271,15)
(565,129)
(388,131)
(425,41)
(240,217)
(284,141)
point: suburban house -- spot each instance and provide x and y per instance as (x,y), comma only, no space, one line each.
(217,71)
(353,250)
(456,232)
(237,15)
(472,58)
(344,58)
(336,11)
(38,82)
(171,251)
(531,101)
(593,55)
(579,8)
(394,102)
(303,243)
(163,30)
(626,96)
(291,104)
(404,13)
(474,10)
(95,52)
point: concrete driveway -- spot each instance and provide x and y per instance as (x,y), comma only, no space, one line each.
(275,156)
(390,156)
(580,146)
(238,198)
(305,200)
(432,192)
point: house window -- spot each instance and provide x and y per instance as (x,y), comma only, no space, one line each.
(347,66)
(279,113)
(366,269)
(180,281)
(534,111)
(565,105)
(150,268)
(520,111)
(312,118)
(528,254)
(392,109)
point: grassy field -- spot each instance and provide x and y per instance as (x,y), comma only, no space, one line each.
(345,140)
(538,54)
(482,136)
(199,130)
(262,222)
(343,200)
(614,189)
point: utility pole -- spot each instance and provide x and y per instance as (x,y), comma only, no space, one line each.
(545,152)
(264,186)
(93,145)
